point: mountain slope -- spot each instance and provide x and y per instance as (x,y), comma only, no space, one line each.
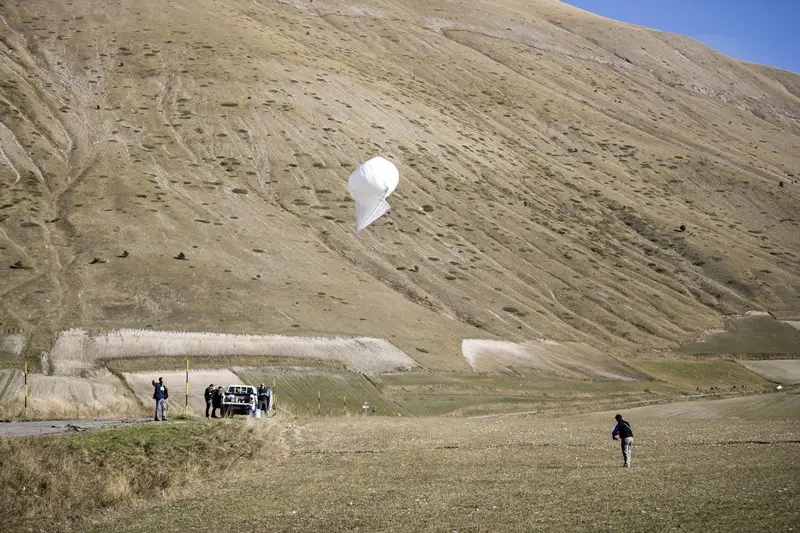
(563,176)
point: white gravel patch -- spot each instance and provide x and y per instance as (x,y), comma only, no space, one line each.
(568,359)
(76,350)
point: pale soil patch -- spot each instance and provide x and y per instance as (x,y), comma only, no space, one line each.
(102,394)
(784,371)
(569,359)
(141,384)
(766,406)
(76,350)
(12,343)
(757,313)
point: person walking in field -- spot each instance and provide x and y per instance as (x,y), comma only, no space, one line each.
(624,433)
(209,396)
(160,395)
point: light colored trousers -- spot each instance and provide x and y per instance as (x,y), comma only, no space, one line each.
(161,405)
(626,450)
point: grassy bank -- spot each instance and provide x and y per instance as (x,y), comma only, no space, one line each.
(54,483)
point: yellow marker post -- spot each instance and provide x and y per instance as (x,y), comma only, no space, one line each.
(186,406)
(25,373)
(274,397)
(319,400)
(344,405)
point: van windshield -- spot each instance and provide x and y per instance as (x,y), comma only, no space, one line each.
(240,390)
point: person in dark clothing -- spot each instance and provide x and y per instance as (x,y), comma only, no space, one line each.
(208,395)
(264,394)
(216,402)
(624,433)
(160,395)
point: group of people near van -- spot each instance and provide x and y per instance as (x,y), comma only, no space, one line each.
(214,397)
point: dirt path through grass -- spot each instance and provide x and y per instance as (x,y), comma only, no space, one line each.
(50,427)
(778,406)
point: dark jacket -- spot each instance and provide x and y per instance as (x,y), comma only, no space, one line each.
(160,392)
(263,392)
(208,394)
(217,397)
(623,429)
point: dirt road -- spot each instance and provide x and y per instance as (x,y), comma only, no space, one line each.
(54,427)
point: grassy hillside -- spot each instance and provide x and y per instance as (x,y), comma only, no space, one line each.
(563,176)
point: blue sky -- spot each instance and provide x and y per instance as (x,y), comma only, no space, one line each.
(764,31)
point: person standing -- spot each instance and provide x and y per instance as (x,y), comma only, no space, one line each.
(264,394)
(216,402)
(209,396)
(624,433)
(251,410)
(160,395)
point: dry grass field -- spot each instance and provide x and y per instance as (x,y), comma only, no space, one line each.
(307,392)
(712,467)
(704,375)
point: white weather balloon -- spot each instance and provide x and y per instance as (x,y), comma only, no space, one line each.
(369,185)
